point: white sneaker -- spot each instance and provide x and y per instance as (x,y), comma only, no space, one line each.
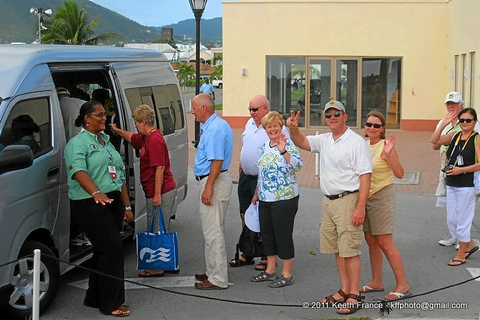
(80,240)
(447,242)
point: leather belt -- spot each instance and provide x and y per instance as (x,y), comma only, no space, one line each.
(338,196)
(198,178)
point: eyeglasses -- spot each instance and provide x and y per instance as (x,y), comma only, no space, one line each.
(375,125)
(99,115)
(336,114)
(465,120)
(255,109)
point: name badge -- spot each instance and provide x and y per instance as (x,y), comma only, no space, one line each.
(112,171)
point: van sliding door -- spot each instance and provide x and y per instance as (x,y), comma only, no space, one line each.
(155,84)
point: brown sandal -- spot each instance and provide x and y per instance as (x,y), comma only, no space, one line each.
(351,307)
(330,300)
(122,311)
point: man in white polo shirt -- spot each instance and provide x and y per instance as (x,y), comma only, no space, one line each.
(345,172)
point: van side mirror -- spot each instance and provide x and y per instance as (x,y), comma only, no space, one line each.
(15,157)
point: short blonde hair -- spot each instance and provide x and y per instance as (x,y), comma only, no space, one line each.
(271,117)
(144,112)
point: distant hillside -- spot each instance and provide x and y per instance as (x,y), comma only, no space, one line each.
(18,25)
(210,30)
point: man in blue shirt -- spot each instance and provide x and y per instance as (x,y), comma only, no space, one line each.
(207,88)
(214,154)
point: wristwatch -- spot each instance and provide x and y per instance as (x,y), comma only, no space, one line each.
(128,208)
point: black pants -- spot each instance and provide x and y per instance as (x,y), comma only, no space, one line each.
(276,224)
(103,224)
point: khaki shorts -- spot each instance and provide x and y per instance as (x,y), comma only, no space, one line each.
(337,233)
(380,212)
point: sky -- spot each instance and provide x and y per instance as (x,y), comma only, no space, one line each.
(157,13)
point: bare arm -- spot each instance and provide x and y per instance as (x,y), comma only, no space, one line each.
(297,137)
(128,214)
(157,196)
(91,188)
(437,138)
(391,156)
(359,213)
(215,169)
(127,135)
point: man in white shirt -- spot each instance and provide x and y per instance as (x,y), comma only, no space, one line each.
(253,138)
(346,168)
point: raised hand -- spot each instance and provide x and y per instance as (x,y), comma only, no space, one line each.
(281,142)
(389,144)
(292,121)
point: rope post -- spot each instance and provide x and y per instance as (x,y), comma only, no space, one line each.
(36,284)
(317,163)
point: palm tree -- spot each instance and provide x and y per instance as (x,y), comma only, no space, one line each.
(70,25)
(185,72)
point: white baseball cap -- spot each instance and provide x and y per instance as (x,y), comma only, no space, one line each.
(454,97)
(252,219)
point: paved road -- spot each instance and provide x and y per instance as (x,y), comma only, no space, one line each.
(419,225)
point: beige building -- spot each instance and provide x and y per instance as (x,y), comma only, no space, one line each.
(401,56)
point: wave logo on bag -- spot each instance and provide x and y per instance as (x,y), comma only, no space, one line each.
(162,254)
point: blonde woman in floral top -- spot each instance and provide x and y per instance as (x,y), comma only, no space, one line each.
(278,194)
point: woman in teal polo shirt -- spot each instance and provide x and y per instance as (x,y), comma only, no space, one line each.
(99,204)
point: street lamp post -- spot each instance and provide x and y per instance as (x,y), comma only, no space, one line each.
(40,13)
(198,6)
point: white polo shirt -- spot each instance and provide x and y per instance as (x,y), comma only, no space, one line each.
(342,162)
(253,139)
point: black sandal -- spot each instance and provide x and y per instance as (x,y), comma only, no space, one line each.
(240,263)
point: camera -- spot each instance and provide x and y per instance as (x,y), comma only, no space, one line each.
(447,168)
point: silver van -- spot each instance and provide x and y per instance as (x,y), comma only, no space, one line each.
(34,203)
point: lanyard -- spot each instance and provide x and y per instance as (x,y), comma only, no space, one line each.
(458,140)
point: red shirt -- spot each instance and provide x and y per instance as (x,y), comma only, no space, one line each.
(153,153)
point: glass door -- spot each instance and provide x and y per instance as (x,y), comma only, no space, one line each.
(319,88)
(346,88)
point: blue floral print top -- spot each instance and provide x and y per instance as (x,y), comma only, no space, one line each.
(276,178)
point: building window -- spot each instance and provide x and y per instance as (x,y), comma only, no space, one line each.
(306,84)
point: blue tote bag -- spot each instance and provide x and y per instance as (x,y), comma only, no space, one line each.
(157,251)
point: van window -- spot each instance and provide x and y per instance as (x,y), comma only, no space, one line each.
(29,123)
(166,102)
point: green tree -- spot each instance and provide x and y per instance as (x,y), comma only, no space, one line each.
(217,63)
(70,25)
(168,41)
(185,72)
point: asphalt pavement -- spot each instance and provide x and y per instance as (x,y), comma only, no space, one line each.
(418,227)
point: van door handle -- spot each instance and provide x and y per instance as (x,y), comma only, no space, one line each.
(55,170)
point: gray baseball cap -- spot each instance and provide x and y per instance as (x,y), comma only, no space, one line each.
(334,104)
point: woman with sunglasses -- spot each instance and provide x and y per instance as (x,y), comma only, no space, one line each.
(380,208)
(99,204)
(462,155)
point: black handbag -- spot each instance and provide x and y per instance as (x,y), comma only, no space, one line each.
(250,244)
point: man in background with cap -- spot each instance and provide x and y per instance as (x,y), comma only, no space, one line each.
(454,104)
(346,168)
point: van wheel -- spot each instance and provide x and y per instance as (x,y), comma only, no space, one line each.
(220,86)
(21,299)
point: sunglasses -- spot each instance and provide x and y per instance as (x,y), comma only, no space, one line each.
(465,120)
(336,114)
(99,115)
(255,109)
(375,125)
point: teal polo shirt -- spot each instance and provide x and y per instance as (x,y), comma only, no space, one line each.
(84,153)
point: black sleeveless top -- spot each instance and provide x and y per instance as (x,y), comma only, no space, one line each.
(468,154)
